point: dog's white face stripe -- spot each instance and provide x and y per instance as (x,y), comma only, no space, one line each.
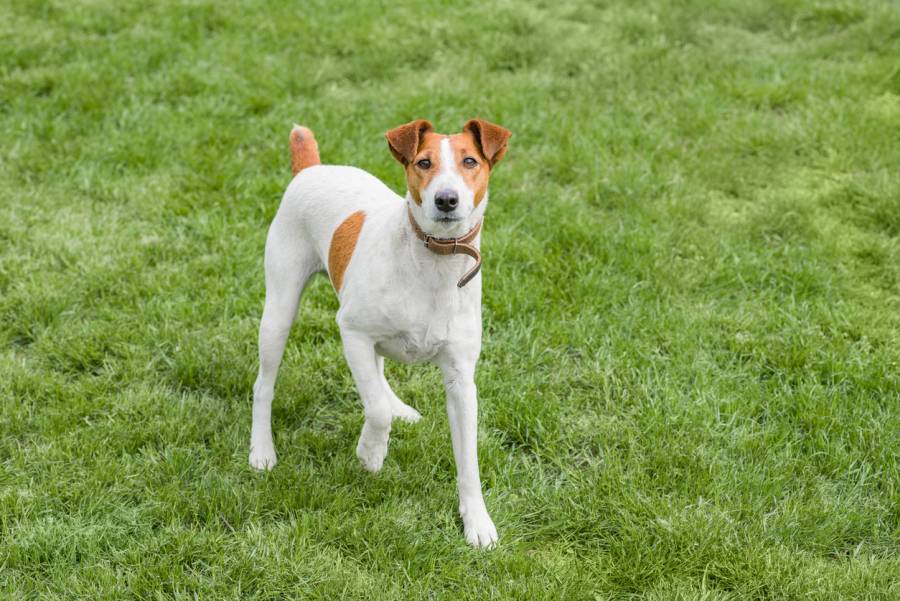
(448,178)
(448,162)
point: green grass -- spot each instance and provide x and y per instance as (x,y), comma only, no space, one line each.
(690,384)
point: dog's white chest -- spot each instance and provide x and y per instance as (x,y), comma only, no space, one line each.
(415,333)
(413,328)
(410,347)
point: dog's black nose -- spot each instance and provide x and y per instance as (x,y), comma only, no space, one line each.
(446,200)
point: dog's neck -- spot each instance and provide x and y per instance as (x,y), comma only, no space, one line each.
(456,241)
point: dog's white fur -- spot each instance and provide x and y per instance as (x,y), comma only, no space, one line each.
(397,300)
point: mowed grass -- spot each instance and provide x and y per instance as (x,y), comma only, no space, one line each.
(689,386)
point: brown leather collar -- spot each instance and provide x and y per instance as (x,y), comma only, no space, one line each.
(451,246)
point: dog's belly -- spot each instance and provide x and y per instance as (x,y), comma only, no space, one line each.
(407,348)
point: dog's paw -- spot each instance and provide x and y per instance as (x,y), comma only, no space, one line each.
(371,451)
(402,411)
(478,527)
(262,457)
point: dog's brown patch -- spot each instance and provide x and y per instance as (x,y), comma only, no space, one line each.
(343,241)
(410,143)
(304,149)
(417,179)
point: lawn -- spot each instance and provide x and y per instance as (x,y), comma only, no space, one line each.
(690,382)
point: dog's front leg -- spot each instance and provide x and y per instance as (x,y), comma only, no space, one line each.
(373,441)
(462,411)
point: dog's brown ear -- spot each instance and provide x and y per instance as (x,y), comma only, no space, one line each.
(491,138)
(404,140)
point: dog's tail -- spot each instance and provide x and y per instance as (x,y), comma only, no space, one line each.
(304,149)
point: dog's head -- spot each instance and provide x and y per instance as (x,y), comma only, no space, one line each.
(447,175)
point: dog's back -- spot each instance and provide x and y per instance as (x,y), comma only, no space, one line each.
(321,198)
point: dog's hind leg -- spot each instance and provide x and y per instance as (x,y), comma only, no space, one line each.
(399,409)
(289,264)
(365,366)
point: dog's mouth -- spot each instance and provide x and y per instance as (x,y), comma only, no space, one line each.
(448,219)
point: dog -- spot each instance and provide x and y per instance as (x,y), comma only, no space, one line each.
(406,272)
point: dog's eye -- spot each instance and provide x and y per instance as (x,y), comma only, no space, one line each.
(470,163)
(424,164)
